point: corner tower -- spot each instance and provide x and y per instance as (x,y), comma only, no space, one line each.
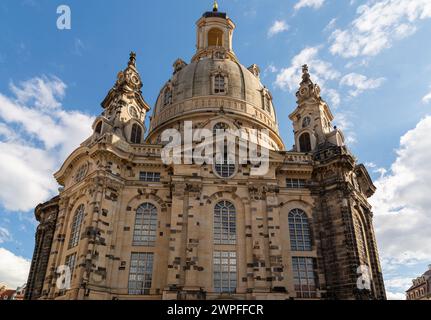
(312,118)
(124,107)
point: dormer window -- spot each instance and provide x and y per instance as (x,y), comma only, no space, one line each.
(167,97)
(219,84)
(267,98)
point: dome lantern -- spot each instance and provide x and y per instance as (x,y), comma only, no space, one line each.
(214,33)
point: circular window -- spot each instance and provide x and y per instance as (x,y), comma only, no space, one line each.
(133,112)
(225,170)
(81,172)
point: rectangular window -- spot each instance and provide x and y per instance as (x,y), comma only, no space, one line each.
(304,277)
(296,183)
(219,84)
(141,273)
(149,176)
(225,271)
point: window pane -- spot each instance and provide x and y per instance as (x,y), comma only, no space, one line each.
(304,277)
(137,285)
(224,269)
(145,226)
(299,230)
(76,227)
(224,232)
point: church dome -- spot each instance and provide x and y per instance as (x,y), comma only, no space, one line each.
(215,84)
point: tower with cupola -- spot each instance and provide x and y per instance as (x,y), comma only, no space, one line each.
(124,108)
(312,118)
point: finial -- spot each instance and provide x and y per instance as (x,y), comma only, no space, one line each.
(305,74)
(132,60)
(215,6)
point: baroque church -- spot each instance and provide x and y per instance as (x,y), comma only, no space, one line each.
(126,225)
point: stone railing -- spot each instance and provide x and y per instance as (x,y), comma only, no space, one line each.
(215,103)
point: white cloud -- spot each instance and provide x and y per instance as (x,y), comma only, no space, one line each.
(4,235)
(13,269)
(277,27)
(360,83)
(290,77)
(316,4)
(331,24)
(334,97)
(427,98)
(36,135)
(401,203)
(343,122)
(378,25)
(395,295)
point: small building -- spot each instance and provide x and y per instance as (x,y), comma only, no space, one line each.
(421,287)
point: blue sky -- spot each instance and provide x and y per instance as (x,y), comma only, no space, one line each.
(371,57)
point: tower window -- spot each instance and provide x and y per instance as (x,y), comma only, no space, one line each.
(224,223)
(136,134)
(145,226)
(225,271)
(98,129)
(76,226)
(141,273)
(299,229)
(305,142)
(219,84)
(215,38)
(304,277)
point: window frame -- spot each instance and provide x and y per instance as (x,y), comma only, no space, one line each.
(136,134)
(147,176)
(225,214)
(299,231)
(296,183)
(302,278)
(143,268)
(75,227)
(225,272)
(145,226)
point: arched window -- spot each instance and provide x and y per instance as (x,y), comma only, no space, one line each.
(145,226)
(219,84)
(215,37)
(136,134)
(220,127)
(361,240)
(75,229)
(299,229)
(227,167)
(305,142)
(224,223)
(98,129)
